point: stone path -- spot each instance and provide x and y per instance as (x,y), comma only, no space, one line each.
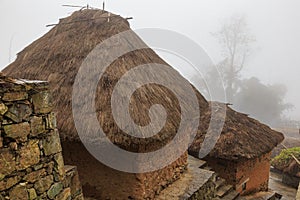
(276,185)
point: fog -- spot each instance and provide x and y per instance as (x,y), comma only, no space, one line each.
(274,23)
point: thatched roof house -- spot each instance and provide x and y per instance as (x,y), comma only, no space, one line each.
(242,137)
(242,152)
(57,56)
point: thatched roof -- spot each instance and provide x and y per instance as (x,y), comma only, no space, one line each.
(57,56)
(241,137)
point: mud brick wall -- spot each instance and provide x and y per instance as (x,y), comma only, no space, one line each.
(102,182)
(253,172)
(31,162)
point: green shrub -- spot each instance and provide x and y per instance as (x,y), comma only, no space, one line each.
(284,159)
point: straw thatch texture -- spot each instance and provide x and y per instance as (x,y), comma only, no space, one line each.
(57,56)
(241,137)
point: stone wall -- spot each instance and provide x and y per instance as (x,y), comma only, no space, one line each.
(31,161)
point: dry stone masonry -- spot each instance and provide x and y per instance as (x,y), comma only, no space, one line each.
(31,162)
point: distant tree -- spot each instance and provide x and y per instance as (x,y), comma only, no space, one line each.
(264,102)
(235,41)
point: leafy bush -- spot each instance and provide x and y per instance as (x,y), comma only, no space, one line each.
(284,159)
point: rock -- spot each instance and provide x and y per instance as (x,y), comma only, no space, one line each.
(13,146)
(7,162)
(12,181)
(19,112)
(18,132)
(34,176)
(15,96)
(79,197)
(3,108)
(59,165)
(2,176)
(37,167)
(4,185)
(42,102)
(43,184)
(54,190)
(37,126)
(49,167)
(64,195)
(72,180)
(51,144)
(18,193)
(32,194)
(29,155)
(51,121)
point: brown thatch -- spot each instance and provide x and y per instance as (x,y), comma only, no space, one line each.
(241,137)
(57,56)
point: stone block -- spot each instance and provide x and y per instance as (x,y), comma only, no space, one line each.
(4,185)
(3,108)
(49,167)
(43,184)
(64,195)
(37,126)
(34,176)
(19,132)
(54,190)
(59,166)
(29,155)
(19,112)
(32,194)
(15,96)
(7,162)
(18,193)
(79,197)
(51,121)
(51,144)
(42,102)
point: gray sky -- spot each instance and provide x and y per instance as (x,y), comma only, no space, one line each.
(275,23)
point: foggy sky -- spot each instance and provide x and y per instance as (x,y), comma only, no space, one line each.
(275,23)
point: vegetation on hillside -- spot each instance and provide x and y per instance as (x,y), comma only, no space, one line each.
(284,159)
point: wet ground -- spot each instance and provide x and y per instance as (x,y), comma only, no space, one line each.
(288,193)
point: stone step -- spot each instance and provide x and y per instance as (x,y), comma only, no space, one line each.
(220,182)
(190,183)
(224,190)
(270,195)
(233,195)
(195,162)
(208,168)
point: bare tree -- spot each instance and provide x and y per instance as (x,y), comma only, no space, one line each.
(235,40)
